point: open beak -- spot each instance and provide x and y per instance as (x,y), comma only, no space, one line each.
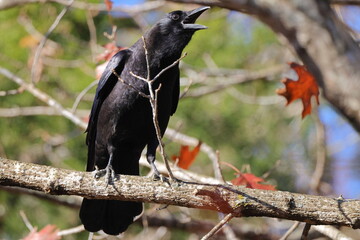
(189,22)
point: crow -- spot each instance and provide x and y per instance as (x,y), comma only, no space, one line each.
(121,124)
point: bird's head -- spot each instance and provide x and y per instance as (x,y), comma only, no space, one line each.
(181,22)
(171,34)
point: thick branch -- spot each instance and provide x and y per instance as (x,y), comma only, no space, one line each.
(223,198)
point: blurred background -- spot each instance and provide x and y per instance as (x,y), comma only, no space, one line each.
(228,78)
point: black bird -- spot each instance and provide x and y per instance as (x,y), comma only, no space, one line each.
(121,124)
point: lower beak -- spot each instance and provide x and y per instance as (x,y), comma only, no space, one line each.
(189,21)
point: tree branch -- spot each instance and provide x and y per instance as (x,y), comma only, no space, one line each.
(133,9)
(239,201)
(333,57)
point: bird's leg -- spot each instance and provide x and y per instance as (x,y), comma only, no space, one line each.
(150,156)
(108,171)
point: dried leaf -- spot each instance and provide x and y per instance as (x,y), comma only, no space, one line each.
(304,88)
(187,157)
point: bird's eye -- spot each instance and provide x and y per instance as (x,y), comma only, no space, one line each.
(175,17)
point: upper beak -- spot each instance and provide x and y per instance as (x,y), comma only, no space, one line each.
(189,22)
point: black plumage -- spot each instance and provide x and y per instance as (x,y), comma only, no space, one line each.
(121,124)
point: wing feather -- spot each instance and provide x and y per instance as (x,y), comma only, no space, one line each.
(105,86)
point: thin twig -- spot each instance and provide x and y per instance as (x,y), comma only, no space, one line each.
(37,110)
(44,97)
(305,231)
(43,40)
(130,9)
(112,35)
(213,231)
(168,67)
(26,220)
(92,31)
(331,232)
(153,103)
(82,94)
(70,231)
(130,85)
(217,167)
(290,231)
(320,154)
(187,88)
(11,92)
(158,132)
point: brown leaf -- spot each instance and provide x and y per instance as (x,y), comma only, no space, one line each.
(304,88)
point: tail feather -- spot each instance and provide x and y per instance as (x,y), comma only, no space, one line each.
(111,216)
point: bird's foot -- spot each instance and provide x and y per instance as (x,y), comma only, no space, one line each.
(169,181)
(160,177)
(108,172)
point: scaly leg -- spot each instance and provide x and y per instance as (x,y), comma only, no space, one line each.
(150,156)
(108,171)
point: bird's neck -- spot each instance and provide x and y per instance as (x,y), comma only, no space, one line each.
(163,51)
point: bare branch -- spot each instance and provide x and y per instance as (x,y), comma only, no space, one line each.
(43,40)
(147,6)
(11,92)
(331,232)
(168,67)
(82,94)
(37,110)
(223,198)
(153,103)
(26,221)
(315,182)
(71,230)
(218,227)
(235,78)
(43,97)
(130,85)
(290,231)
(305,231)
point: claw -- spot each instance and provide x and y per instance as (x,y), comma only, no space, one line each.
(108,171)
(162,178)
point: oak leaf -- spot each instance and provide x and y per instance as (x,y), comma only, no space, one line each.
(187,156)
(304,88)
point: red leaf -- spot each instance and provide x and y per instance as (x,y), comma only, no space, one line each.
(251,181)
(304,88)
(187,156)
(108,4)
(49,232)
